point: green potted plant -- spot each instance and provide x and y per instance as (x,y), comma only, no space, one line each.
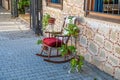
(76,64)
(23,5)
(46,20)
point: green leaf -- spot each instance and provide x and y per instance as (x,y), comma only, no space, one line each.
(72,49)
(64,50)
(39,42)
(45,19)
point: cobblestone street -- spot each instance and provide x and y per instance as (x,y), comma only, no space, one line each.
(19,62)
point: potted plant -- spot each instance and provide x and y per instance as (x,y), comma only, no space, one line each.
(76,64)
(23,6)
(47,19)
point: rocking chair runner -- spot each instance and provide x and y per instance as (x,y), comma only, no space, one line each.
(53,42)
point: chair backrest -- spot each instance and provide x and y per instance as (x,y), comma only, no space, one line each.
(68,20)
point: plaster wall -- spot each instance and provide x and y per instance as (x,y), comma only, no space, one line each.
(6,4)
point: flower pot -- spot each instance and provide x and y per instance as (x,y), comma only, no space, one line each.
(51,21)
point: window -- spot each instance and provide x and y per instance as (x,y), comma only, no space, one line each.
(103,9)
(55,3)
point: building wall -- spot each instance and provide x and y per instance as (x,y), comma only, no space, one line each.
(6,4)
(99,40)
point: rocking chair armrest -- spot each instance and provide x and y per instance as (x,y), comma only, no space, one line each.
(62,36)
(53,32)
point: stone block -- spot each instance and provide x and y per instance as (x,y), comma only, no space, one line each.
(113,36)
(81,50)
(88,57)
(81,29)
(119,38)
(108,69)
(89,33)
(117,49)
(84,31)
(83,41)
(104,30)
(108,45)
(102,53)
(117,73)
(93,48)
(98,61)
(99,39)
(113,60)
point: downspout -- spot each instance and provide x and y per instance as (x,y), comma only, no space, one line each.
(39,18)
(14,8)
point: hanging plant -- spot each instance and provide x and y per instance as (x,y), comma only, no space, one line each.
(77,63)
(67,50)
(72,30)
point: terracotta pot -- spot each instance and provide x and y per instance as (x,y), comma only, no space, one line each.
(51,20)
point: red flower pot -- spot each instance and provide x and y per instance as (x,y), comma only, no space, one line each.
(51,21)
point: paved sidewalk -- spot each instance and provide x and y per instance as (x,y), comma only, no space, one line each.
(19,62)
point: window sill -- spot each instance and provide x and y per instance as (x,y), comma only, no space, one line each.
(105,17)
(58,6)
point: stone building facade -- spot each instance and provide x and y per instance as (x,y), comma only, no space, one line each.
(99,40)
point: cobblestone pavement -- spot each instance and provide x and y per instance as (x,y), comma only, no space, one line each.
(19,62)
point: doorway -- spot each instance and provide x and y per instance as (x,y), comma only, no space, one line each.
(35,13)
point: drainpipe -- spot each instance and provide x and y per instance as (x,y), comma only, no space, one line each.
(39,18)
(14,8)
(36,16)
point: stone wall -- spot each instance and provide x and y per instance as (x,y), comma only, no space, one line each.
(100,44)
(99,40)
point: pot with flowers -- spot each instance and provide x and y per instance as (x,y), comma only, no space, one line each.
(47,19)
